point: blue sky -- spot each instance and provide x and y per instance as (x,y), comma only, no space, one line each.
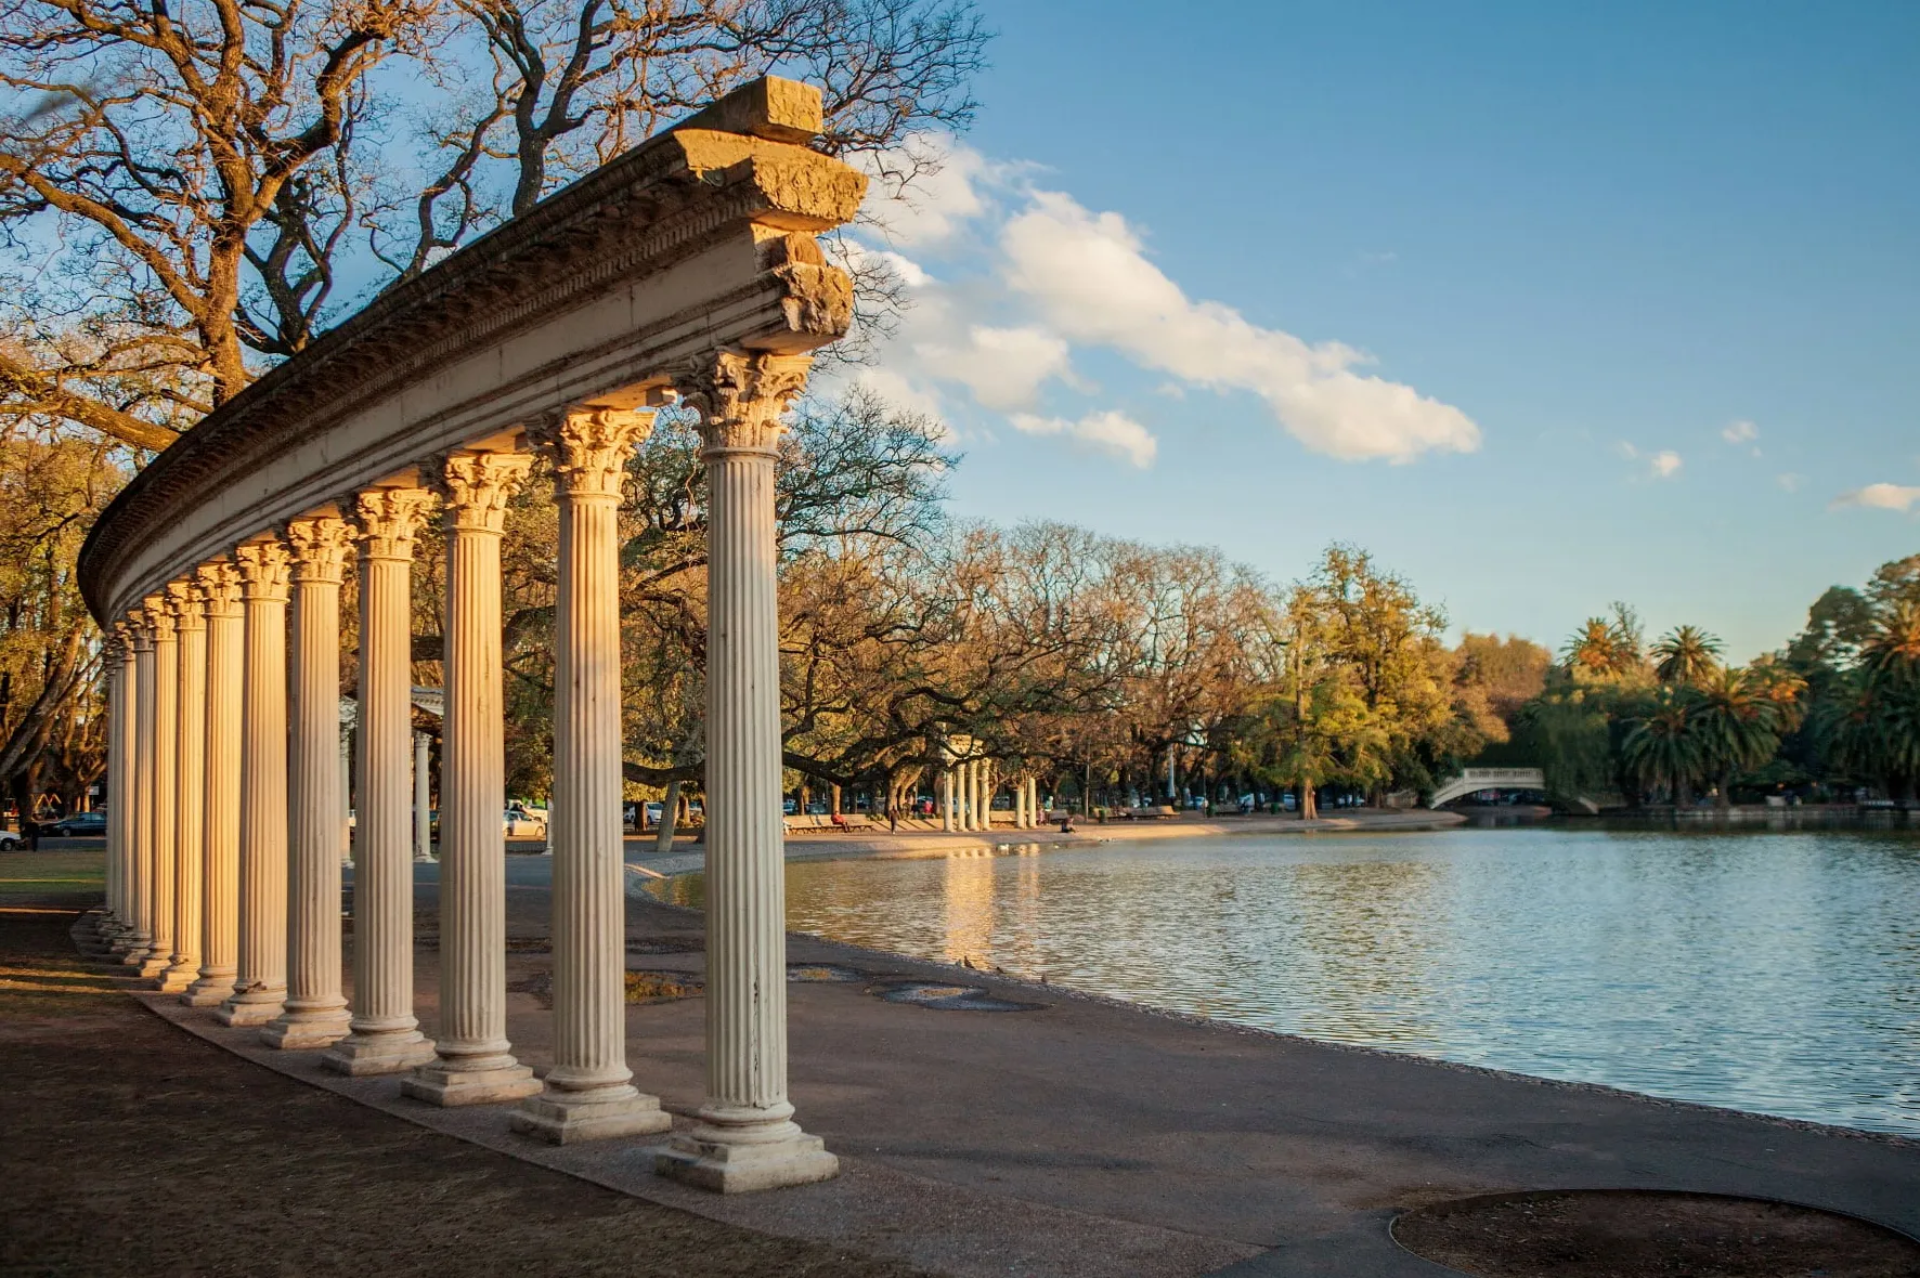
(1547,305)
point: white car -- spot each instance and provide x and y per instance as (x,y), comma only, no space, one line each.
(521,825)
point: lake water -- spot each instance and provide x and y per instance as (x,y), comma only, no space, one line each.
(1769,971)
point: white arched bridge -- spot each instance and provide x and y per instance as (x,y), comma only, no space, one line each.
(1473,780)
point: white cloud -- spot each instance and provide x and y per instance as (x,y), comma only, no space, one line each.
(1003,367)
(923,194)
(1090,278)
(1790,481)
(1742,432)
(1881,497)
(1664,464)
(1112,433)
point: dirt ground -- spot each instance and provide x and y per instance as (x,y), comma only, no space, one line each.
(129,1148)
(1651,1235)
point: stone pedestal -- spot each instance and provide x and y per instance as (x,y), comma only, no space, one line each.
(587,1094)
(220,807)
(163,794)
(315,1013)
(260,983)
(745,1138)
(385,1038)
(474,1064)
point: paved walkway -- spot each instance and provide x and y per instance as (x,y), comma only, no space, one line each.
(1083,1137)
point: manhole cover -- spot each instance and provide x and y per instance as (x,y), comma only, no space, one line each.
(829,972)
(1650,1234)
(950,998)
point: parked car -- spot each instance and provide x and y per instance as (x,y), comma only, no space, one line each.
(10,840)
(518,823)
(81,825)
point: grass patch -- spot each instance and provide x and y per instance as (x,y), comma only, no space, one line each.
(32,873)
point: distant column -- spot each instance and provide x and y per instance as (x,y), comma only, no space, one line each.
(1038,817)
(316,1012)
(385,1037)
(260,984)
(139,940)
(588,1091)
(422,798)
(120,733)
(190,780)
(475,1064)
(220,887)
(744,1137)
(1020,805)
(162,799)
(946,799)
(347,831)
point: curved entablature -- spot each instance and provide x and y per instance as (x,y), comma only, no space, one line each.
(604,296)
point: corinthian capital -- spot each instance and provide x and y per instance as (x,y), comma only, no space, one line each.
(187,605)
(387,519)
(219,584)
(264,567)
(474,488)
(159,612)
(589,447)
(319,546)
(139,628)
(741,398)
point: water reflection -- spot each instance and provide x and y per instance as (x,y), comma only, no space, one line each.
(1771,971)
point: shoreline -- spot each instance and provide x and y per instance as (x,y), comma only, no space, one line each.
(929,841)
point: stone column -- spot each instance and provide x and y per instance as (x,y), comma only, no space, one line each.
(139,939)
(347,821)
(475,1064)
(1035,816)
(120,735)
(190,780)
(973,796)
(744,1137)
(1020,805)
(162,799)
(385,1037)
(422,798)
(588,1093)
(946,799)
(260,984)
(219,584)
(315,1014)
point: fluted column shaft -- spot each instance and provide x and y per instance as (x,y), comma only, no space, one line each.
(260,979)
(220,820)
(946,799)
(474,1061)
(163,798)
(120,729)
(745,1137)
(140,796)
(385,1037)
(587,1091)
(190,779)
(315,1012)
(422,797)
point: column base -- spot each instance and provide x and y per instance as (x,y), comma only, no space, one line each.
(239,1011)
(177,977)
(208,991)
(717,1159)
(152,967)
(442,1083)
(306,1031)
(561,1118)
(360,1055)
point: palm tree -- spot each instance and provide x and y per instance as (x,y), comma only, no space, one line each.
(1664,750)
(1686,655)
(1891,654)
(1738,725)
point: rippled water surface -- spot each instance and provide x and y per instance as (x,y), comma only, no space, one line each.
(1777,972)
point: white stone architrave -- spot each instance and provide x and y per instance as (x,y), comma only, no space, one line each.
(314,1014)
(588,1093)
(219,585)
(260,983)
(384,1036)
(474,1063)
(744,1137)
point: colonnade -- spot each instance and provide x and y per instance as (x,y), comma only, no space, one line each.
(225,803)
(967,791)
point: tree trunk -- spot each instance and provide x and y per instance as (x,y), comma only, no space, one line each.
(1724,800)
(669,818)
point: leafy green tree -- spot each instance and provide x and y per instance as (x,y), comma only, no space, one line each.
(1738,719)
(1666,750)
